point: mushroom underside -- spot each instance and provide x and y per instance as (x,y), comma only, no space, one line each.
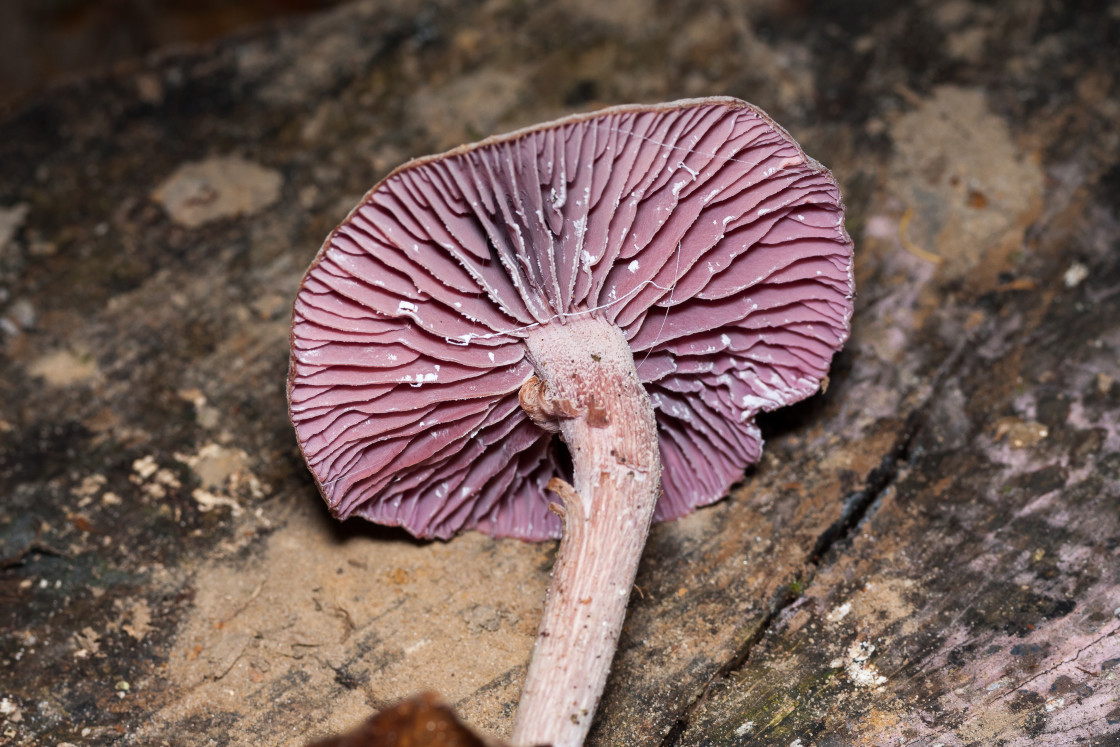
(698,229)
(632,285)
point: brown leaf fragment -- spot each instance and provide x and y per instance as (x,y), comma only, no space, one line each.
(421,721)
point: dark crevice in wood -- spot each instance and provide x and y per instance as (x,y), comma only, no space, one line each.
(859,506)
(36,546)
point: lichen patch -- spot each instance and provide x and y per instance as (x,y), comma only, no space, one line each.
(200,192)
(61,368)
(968,189)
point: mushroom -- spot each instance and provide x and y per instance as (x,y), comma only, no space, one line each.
(594,309)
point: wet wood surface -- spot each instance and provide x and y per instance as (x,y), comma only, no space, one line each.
(927,554)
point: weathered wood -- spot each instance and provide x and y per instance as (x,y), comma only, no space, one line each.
(927,554)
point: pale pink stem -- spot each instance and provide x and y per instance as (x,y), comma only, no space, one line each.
(605,417)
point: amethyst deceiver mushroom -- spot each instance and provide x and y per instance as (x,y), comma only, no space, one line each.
(596,308)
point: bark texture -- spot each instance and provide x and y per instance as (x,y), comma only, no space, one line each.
(925,555)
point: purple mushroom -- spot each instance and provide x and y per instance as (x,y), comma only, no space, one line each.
(592,309)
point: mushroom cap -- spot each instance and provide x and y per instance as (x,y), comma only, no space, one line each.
(698,227)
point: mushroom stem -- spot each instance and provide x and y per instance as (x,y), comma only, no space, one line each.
(609,427)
